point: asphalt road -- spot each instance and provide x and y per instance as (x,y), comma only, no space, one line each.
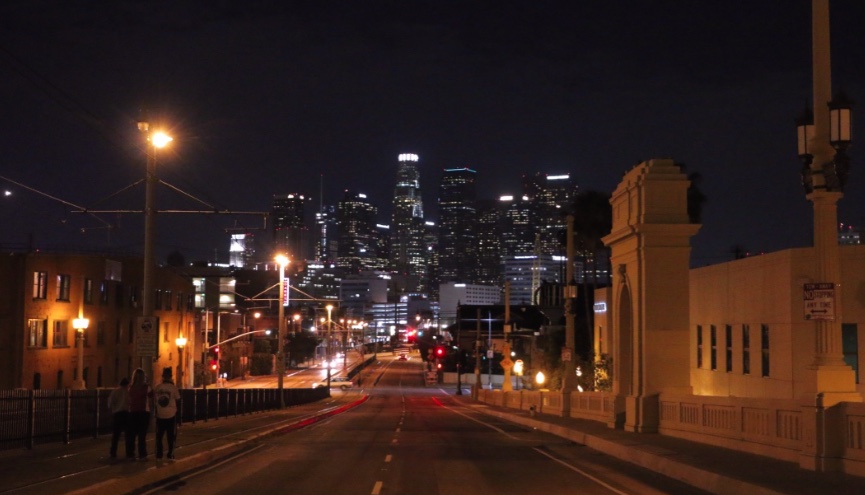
(412,439)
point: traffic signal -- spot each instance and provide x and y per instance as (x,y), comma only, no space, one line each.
(440,352)
(213,365)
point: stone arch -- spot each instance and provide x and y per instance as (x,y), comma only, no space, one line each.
(624,342)
(650,246)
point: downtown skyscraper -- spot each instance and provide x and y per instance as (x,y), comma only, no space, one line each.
(291,234)
(358,244)
(458,235)
(551,197)
(407,253)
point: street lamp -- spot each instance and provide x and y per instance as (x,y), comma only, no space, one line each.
(181,343)
(80,325)
(282,260)
(540,379)
(518,370)
(329,308)
(823,140)
(154,140)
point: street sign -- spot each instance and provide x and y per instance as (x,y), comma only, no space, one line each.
(566,354)
(819,301)
(147,336)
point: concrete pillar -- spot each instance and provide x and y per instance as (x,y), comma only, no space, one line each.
(650,242)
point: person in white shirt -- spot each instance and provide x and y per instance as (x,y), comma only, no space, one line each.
(167,398)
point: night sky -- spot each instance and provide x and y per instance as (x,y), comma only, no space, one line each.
(272,97)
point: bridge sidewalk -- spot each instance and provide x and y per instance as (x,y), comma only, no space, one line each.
(714,469)
(83,466)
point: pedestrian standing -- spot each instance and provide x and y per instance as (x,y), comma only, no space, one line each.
(167,398)
(118,403)
(140,396)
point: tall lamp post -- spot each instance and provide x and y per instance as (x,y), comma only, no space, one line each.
(80,325)
(181,343)
(282,260)
(823,138)
(154,140)
(329,333)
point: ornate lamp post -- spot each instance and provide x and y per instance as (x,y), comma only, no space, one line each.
(823,138)
(80,325)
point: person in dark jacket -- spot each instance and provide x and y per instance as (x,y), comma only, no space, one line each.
(140,396)
(118,404)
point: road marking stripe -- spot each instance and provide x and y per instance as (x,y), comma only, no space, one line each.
(578,470)
(388,458)
(376,489)
(495,428)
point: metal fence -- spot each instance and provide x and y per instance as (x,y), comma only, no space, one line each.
(31,417)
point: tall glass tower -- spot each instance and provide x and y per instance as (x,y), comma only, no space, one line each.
(290,232)
(358,236)
(457,244)
(407,255)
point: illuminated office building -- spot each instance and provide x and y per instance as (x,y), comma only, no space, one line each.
(290,232)
(407,255)
(457,241)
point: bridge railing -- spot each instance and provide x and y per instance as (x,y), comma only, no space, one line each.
(32,417)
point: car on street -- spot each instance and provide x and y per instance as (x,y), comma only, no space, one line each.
(402,357)
(340,382)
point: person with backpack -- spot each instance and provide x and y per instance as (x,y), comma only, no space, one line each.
(167,399)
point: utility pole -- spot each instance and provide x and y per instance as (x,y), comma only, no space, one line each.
(507,363)
(570,377)
(459,352)
(477,387)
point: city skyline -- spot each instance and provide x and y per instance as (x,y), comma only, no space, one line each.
(269,98)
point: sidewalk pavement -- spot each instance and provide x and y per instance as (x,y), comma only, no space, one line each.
(714,469)
(83,466)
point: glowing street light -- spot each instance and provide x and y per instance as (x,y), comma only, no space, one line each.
(80,325)
(540,378)
(155,140)
(180,342)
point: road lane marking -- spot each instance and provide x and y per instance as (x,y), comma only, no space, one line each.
(376,489)
(580,471)
(388,458)
(495,428)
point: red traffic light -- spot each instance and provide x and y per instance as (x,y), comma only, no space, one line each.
(440,352)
